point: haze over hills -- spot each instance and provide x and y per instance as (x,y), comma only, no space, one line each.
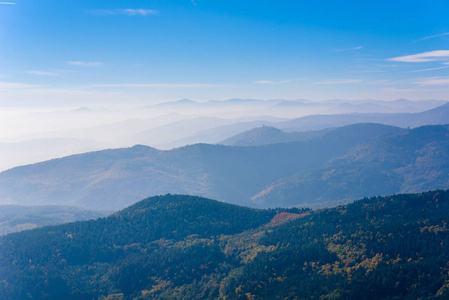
(216,134)
(215,130)
(31,151)
(192,131)
(413,161)
(375,159)
(14,218)
(266,135)
(184,247)
(295,108)
(175,124)
(284,112)
(435,116)
(220,134)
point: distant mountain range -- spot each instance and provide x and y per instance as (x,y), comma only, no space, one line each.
(185,122)
(323,168)
(435,116)
(184,247)
(224,134)
(334,106)
(192,131)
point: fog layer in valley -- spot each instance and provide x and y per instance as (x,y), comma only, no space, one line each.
(32,135)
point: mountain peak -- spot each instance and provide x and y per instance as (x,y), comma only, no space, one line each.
(178,102)
(256,136)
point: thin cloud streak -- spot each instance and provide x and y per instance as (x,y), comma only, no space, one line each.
(7,3)
(137,12)
(433,81)
(17,85)
(156,85)
(126,11)
(85,63)
(349,49)
(432,36)
(436,55)
(277,81)
(425,70)
(42,73)
(340,81)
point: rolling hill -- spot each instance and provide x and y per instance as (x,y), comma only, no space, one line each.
(412,161)
(267,135)
(113,179)
(184,247)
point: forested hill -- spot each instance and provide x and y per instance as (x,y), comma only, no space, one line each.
(172,235)
(183,247)
(266,135)
(410,162)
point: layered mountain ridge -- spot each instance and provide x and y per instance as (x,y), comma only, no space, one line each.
(372,159)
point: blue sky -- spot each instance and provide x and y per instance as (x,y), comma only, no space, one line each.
(71,53)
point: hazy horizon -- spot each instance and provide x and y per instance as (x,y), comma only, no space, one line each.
(38,134)
(117,60)
(103,53)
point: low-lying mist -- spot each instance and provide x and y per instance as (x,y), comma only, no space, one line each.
(29,135)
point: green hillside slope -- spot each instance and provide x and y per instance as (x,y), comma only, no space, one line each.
(183,247)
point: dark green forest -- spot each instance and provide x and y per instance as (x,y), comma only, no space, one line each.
(185,247)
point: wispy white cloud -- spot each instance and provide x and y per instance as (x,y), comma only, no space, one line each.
(277,81)
(389,66)
(17,85)
(349,49)
(437,55)
(125,11)
(156,85)
(85,63)
(7,3)
(371,71)
(396,90)
(42,73)
(433,81)
(193,2)
(432,36)
(380,81)
(137,12)
(340,81)
(431,69)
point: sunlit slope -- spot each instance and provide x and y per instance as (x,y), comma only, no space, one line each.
(186,247)
(161,235)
